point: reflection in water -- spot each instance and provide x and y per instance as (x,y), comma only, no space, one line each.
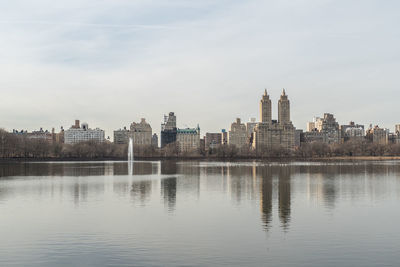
(284,196)
(168,191)
(266,196)
(141,190)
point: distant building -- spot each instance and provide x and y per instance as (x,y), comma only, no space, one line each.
(238,134)
(121,136)
(313,136)
(77,134)
(168,130)
(41,134)
(250,126)
(310,126)
(154,140)
(224,137)
(352,131)
(188,139)
(212,140)
(271,133)
(325,130)
(297,137)
(394,138)
(141,133)
(378,135)
(397,128)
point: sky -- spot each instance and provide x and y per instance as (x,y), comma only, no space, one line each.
(112,62)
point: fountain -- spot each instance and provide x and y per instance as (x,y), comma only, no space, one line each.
(130,156)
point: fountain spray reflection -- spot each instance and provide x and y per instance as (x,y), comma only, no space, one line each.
(130,156)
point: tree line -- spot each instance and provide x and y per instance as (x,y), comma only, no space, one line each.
(21,146)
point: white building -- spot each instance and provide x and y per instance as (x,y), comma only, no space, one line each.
(77,134)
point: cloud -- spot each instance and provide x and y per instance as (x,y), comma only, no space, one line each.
(112,62)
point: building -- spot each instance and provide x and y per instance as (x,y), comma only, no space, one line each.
(250,126)
(397,128)
(238,134)
(212,140)
(297,137)
(352,131)
(168,130)
(154,140)
(141,133)
(310,126)
(188,139)
(394,138)
(378,135)
(43,135)
(271,133)
(77,134)
(121,136)
(313,136)
(326,128)
(224,137)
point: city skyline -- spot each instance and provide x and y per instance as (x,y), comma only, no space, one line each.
(102,61)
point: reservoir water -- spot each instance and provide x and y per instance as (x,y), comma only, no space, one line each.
(172,213)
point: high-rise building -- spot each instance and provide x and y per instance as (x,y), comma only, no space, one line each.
(397,128)
(212,140)
(121,136)
(168,130)
(352,131)
(250,129)
(238,134)
(324,129)
(77,134)
(378,135)
(188,139)
(271,133)
(141,133)
(154,140)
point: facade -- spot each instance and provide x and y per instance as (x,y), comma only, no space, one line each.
(77,134)
(43,135)
(224,137)
(154,140)
(310,126)
(250,126)
(168,130)
(141,133)
(313,136)
(188,139)
(271,133)
(325,130)
(212,140)
(121,136)
(397,128)
(352,131)
(378,135)
(238,134)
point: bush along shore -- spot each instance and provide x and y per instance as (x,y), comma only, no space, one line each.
(17,148)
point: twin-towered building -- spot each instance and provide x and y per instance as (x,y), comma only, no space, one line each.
(267,133)
(271,133)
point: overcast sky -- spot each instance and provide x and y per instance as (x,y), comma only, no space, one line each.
(111,62)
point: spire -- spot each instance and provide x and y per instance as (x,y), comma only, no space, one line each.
(283,92)
(265,92)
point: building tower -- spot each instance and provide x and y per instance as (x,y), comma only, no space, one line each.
(266,108)
(284,109)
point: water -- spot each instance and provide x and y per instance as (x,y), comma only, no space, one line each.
(199,214)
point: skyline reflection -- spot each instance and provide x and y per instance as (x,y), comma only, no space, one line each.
(269,186)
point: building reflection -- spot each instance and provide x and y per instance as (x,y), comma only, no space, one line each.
(284,196)
(168,192)
(141,191)
(265,175)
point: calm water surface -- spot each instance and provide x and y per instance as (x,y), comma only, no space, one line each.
(200,214)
